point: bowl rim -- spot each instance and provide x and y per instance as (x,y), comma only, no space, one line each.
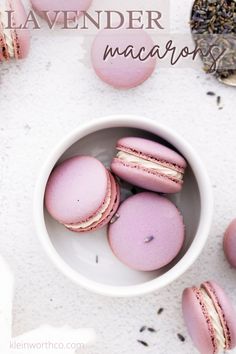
(206,203)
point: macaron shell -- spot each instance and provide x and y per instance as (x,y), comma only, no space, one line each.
(230,243)
(224,308)
(73,194)
(119,71)
(21,37)
(196,323)
(141,216)
(111,210)
(152,149)
(60,5)
(144,178)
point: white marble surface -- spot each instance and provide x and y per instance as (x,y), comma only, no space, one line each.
(47,96)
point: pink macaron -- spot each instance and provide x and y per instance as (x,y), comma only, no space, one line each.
(126,70)
(149,165)
(210,318)
(71,7)
(230,243)
(147,232)
(82,194)
(15,42)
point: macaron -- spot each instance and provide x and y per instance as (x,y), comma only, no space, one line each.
(122,70)
(149,165)
(82,194)
(210,318)
(72,7)
(230,243)
(147,232)
(15,43)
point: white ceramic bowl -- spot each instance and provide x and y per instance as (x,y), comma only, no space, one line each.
(87,259)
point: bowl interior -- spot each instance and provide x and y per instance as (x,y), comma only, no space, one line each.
(89,254)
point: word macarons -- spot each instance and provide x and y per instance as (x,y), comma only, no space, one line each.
(85,196)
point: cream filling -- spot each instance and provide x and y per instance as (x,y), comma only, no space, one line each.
(167,171)
(95,218)
(215,320)
(7,33)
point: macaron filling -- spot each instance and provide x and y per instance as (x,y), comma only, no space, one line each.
(170,171)
(7,34)
(104,212)
(215,320)
(94,219)
(213,295)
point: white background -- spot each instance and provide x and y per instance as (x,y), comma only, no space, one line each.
(47,96)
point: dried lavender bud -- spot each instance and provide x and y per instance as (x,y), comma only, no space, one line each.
(149,239)
(115,218)
(181,337)
(210,93)
(142,329)
(152,330)
(142,342)
(159,312)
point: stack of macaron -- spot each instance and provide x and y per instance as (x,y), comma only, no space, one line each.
(146,232)
(14,42)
